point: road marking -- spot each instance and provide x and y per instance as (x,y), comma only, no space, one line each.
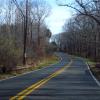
(95,79)
(30,89)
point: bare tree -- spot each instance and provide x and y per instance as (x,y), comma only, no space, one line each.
(25,16)
(89,9)
(40,11)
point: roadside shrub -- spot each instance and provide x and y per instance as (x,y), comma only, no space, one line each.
(10,54)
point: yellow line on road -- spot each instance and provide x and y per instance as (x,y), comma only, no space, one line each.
(27,91)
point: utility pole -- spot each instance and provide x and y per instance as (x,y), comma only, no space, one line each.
(25,33)
(25,17)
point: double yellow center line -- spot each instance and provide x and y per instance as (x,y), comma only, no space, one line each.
(30,89)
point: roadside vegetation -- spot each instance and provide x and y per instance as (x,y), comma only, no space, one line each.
(44,62)
(95,68)
(81,34)
(24,37)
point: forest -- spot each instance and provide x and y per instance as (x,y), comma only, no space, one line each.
(81,34)
(24,36)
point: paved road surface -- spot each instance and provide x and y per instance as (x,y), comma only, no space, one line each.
(69,79)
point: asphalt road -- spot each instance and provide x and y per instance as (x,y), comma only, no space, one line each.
(69,79)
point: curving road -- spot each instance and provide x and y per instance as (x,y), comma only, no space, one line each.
(69,79)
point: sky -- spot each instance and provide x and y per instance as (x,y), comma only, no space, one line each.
(57,17)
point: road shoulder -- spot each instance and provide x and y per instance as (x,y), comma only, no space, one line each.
(41,65)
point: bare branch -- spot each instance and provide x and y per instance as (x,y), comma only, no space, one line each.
(85,11)
(17,5)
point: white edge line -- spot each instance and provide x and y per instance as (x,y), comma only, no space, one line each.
(95,79)
(60,59)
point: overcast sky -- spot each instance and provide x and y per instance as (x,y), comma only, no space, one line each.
(57,17)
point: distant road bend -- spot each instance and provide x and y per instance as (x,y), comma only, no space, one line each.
(69,79)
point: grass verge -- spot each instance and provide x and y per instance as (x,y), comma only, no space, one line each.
(94,69)
(41,63)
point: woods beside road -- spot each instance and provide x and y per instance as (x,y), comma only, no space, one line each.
(24,36)
(81,33)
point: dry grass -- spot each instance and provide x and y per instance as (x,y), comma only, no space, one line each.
(95,70)
(41,63)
